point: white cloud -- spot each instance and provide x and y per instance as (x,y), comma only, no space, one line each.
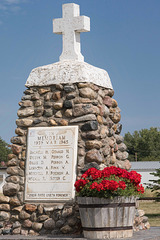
(10,5)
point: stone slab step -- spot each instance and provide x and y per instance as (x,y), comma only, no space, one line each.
(152,234)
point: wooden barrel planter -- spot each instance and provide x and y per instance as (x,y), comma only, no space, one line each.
(105,218)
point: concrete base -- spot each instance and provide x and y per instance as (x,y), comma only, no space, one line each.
(152,234)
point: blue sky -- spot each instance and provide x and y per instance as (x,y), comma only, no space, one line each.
(124,40)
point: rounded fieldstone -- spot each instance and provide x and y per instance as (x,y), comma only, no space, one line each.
(116,117)
(118,128)
(11,155)
(67,104)
(26,112)
(6,231)
(119,155)
(43,90)
(20,132)
(33,233)
(87,93)
(67,211)
(127,164)
(66,229)
(141,212)
(37,121)
(38,103)
(13,170)
(48,112)
(16,225)
(80,161)
(93,156)
(145,219)
(60,223)
(40,209)
(16,231)
(72,221)
(59,87)
(24,215)
(107,101)
(24,122)
(30,207)
(10,189)
(14,218)
(106,150)
(119,138)
(90,126)
(71,96)
(27,103)
(56,215)
(37,226)
(22,165)
(35,96)
(4,199)
(93,144)
(90,165)
(38,112)
(58,105)
(122,147)
(4,216)
(83,109)
(26,97)
(49,224)
(33,217)
(63,122)
(91,135)
(5,207)
(100,119)
(124,155)
(28,91)
(12,162)
(27,223)
(58,114)
(68,113)
(16,149)
(24,232)
(48,96)
(69,88)
(53,122)
(18,140)
(17,209)
(42,218)
(57,95)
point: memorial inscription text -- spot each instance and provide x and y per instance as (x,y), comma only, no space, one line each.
(51,163)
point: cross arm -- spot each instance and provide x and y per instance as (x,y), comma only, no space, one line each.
(58,25)
(81,24)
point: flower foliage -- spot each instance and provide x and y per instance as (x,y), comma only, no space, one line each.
(108,183)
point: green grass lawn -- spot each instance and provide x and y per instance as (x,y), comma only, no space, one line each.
(152,211)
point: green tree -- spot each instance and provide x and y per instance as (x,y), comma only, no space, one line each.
(143,145)
(4,150)
(155,185)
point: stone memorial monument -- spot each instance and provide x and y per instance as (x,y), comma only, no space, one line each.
(67,122)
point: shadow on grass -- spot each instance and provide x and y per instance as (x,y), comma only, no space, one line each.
(157,215)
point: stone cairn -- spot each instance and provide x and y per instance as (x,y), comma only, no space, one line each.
(96,113)
(84,102)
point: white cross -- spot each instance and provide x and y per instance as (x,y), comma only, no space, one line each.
(70,26)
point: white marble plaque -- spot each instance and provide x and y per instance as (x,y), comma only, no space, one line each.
(51,163)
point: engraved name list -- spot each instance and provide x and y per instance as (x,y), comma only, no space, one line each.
(51,163)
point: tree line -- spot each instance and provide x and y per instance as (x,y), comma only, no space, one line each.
(143,145)
(4,151)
